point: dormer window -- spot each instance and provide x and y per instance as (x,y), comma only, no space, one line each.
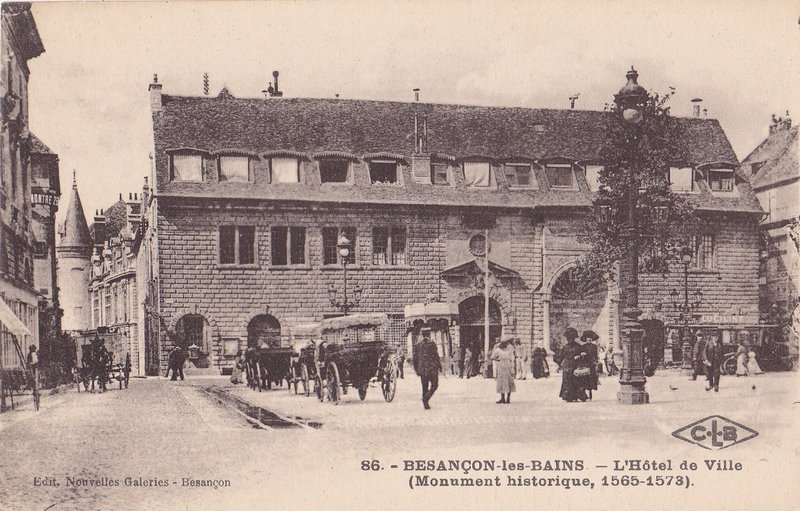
(519,175)
(721,180)
(334,171)
(383,171)
(559,176)
(477,174)
(681,179)
(186,167)
(439,174)
(285,170)
(234,168)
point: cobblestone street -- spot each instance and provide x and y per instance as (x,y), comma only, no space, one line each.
(165,431)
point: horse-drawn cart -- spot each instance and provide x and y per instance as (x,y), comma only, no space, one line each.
(304,368)
(266,366)
(97,366)
(353,353)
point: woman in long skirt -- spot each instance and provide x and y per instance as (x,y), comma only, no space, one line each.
(568,359)
(752,363)
(503,358)
(741,361)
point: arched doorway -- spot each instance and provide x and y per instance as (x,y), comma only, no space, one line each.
(264,330)
(654,340)
(471,313)
(194,330)
(578,301)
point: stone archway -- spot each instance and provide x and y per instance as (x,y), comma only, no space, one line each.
(264,329)
(193,334)
(578,301)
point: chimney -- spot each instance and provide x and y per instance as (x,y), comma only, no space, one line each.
(99,230)
(145,191)
(277,93)
(696,107)
(416,95)
(155,94)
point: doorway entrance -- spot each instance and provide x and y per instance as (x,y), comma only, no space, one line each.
(472,328)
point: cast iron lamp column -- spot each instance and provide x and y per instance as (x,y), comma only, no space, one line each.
(631,100)
(686,346)
(344,247)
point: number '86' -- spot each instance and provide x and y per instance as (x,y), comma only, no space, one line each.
(370,465)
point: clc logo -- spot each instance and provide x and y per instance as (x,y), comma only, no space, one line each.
(715,432)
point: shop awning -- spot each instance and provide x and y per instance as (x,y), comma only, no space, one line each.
(10,320)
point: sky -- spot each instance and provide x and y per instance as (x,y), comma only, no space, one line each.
(89,99)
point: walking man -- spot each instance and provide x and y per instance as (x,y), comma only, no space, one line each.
(427,365)
(712,359)
(176,360)
(698,352)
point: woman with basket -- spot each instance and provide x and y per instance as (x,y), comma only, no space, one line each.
(575,369)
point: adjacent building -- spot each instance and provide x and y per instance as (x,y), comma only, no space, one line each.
(251,195)
(774,174)
(19,310)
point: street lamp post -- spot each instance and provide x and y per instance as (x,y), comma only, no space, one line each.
(344,246)
(631,99)
(686,309)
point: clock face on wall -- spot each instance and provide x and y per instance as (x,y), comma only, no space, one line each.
(477,245)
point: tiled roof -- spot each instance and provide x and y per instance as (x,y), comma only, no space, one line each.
(779,154)
(363,128)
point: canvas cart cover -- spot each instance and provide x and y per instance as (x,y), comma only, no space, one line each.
(354,320)
(11,321)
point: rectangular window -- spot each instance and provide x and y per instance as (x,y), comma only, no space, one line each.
(720,180)
(681,179)
(234,168)
(285,170)
(333,171)
(476,174)
(702,252)
(123,302)
(519,174)
(187,167)
(559,176)
(330,237)
(383,172)
(389,246)
(439,174)
(107,307)
(237,244)
(288,245)
(593,177)
(96,308)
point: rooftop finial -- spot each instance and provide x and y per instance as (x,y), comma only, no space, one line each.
(155,77)
(74,180)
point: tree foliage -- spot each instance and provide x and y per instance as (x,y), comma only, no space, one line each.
(636,162)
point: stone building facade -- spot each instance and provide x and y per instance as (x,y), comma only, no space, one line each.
(774,172)
(19,42)
(250,195)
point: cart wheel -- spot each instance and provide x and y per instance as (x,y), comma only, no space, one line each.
(319,389)
(729,366)
(333,383)
(362,391)
(389,383)
(304,378)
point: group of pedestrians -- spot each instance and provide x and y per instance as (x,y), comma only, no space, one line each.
(578,362)
(746,362)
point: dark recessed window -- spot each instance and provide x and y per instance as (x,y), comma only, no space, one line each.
(237,244)
(389,246)
(288,245)
(519,174)
(720,180)
(330,237)
(559,176)
(439,174)
(383,172)
(333,171)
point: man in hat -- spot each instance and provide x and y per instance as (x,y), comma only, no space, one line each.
(712,360)
(177,358)
(697,355)
(427,365)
